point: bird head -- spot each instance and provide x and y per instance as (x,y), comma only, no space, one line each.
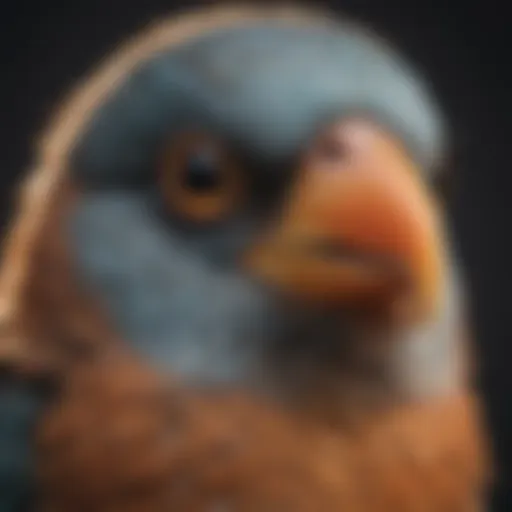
(254,203)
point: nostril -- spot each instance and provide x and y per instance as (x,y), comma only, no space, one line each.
(332,150)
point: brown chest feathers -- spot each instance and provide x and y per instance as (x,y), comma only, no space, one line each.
(121,439)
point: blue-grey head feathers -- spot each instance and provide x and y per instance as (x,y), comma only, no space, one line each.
(264,86)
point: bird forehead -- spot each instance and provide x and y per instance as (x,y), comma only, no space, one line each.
(265,87)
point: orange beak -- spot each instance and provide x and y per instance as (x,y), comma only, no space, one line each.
(359,231)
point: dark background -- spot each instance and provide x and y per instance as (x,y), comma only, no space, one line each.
(48,45)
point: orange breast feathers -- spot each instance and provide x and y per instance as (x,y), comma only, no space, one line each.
(123,439)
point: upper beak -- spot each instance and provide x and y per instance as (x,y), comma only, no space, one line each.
(359,230)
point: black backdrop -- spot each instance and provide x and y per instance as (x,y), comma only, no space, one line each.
(48,45)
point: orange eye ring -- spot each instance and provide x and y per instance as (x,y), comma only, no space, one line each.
(199,179)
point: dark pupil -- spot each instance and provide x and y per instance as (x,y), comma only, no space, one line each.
(202,172)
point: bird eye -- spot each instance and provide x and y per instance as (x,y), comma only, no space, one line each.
(199,179)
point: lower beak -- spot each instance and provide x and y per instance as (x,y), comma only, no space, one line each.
(360,233)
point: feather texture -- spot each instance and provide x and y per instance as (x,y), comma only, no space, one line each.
(122,438)
(117,436)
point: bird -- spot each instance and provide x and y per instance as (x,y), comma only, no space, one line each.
(229,284)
